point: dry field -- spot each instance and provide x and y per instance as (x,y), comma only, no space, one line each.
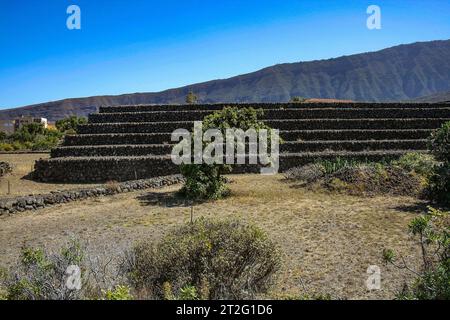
(20,184)
(328,240)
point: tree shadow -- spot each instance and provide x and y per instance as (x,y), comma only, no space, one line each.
(419,207)
(165,199)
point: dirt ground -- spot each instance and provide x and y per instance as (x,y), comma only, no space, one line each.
(23,164)
(328,240)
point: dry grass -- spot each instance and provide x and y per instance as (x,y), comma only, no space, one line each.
(23,164)
(328,240)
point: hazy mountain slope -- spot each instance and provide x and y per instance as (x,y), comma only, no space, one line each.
(403,72)
(438,97)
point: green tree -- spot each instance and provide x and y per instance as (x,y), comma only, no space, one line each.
(191,98)
(70,124)
(205,181)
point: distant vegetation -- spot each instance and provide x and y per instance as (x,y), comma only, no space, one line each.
(191,98)
(35,137)
(70,124)
(297,99)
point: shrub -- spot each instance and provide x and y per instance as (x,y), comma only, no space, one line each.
(421,163)
(120,292)
(359,178)
(70,124)
(204,181)
(17,146)
(6,147)
(5,168)
(306,297)
(432,232)
(375,179)
(31,136)
(44,143)
(39,276)
(221,260)
(439,145)
(439,187)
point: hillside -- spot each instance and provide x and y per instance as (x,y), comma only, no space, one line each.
(435,98)
(399,73)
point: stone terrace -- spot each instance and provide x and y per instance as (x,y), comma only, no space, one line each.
(133,142)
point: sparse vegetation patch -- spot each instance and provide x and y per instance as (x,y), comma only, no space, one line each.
(363,178)
(206,260)
(432,280)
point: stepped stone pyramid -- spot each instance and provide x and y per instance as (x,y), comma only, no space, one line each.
(133,142)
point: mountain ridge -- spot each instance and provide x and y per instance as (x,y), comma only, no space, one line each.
(399,73)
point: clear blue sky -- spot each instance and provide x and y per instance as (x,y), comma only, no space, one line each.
(144,45)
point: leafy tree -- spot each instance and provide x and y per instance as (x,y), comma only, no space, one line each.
(205,181)
(191,98)
(28,132)
(439,145)
(70,124)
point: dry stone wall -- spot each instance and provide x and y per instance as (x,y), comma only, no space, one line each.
(34,202)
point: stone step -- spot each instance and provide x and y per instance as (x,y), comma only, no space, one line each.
(286,147)
(287,124)
(219,106)
(293,135)
(101,169)
(274,114)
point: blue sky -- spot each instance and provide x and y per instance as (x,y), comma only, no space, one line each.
(144,45)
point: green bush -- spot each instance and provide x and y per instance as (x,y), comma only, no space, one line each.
(70,124)
(439,145)
(42,142)
(6,147)
(204,181)
(120,292)
(420,163)
(439,187)
(221,260)
(31,136)
(432,281)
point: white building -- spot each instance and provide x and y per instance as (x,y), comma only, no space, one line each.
(19,122)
